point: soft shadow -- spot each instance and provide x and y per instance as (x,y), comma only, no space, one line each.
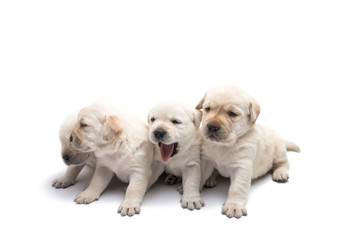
(159,194)
(217,195)
(68,194)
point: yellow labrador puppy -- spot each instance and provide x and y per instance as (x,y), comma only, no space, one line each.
(174,129)
(238,147)
(121,146)
(75,159)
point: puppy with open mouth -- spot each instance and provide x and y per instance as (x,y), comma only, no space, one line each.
(75,159)
(238,147)
(174,129)
(121,146)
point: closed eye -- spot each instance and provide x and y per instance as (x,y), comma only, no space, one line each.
(175,121)
(84,125)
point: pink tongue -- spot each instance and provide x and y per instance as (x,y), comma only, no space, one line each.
(166,151)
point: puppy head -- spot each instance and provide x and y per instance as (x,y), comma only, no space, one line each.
(70,155)
(228,113)
(171,125)
(96,126)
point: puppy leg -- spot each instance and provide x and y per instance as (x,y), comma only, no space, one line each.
(157,170)
(101,178)
(212,180)
(280,167)
(135,193)
(69,177)
(206,171)
(234,205)
(191,176)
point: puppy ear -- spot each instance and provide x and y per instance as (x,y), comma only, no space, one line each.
(76,133)
(201,103)
(197,118)
(111,128)
(148,120)
(254,110)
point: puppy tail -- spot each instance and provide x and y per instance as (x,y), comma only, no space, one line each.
(292,146)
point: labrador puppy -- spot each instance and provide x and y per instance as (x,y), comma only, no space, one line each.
(75,159)
(121,146)
(174,129)
(238,147)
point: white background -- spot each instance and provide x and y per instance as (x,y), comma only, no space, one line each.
(58,56)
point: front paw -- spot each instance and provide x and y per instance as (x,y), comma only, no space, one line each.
(62,182)
(192,203)
(234,210)
(86,197)
(128,208)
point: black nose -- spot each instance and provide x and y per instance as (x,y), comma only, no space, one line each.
(66,158)
(71,138)
(213,128)
(159,133)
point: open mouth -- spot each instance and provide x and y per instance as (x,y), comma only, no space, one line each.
(167,150)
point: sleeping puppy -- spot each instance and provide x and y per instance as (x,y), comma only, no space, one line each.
(75,159)
(174,129)
(121,146)
(238,147)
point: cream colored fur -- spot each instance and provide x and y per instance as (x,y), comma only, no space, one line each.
(121,146)
(77,160)
(181,124)
(238,147)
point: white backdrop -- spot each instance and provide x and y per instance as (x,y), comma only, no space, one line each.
(58,56)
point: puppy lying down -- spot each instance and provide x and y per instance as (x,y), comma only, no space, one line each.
(238,147)
(174,129)
(75,159)
(121,146)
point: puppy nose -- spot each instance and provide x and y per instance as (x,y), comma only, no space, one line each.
(66,158)
(213,128)
(159,133)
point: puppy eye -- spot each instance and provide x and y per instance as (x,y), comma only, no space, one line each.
(207,109)
(176,121)
(232,114)
(152,119)
(84,125)
(71,138)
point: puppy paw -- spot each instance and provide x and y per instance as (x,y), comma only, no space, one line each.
(128,208)
(192,203)
(62,182)
(171,179)
(234,210)
(86,197)
(280,175)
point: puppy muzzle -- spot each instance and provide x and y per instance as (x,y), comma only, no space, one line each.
(215,132)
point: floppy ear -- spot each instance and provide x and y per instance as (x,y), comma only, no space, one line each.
(201,103)
(148,120)
(76,133)
(254,110)
(111,128)
(197,118)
